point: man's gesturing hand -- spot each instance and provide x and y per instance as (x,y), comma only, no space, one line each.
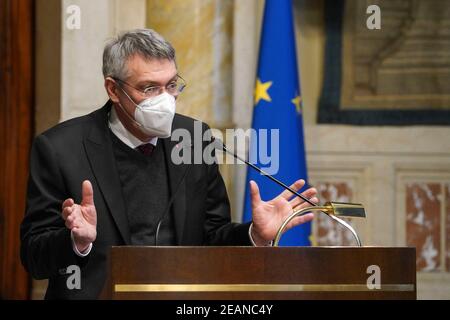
(81,219)
(269,215)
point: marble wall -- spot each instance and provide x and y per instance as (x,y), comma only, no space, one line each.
(427,204)
(401,175)
(326,232)
(423,223)
(447,227)
(201,33)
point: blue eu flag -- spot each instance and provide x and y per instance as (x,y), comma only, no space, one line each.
(278,106)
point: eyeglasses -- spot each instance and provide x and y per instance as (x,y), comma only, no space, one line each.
(174,88)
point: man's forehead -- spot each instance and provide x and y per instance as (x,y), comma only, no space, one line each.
(153,69)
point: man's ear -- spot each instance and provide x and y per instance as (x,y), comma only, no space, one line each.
(111,89)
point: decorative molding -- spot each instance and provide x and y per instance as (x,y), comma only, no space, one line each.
(410,178)
(338,174)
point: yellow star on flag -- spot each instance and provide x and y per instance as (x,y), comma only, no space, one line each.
(297,102)
(261,91)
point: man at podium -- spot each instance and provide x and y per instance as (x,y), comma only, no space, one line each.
(107,178)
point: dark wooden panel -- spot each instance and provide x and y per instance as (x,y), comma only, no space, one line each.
(318,266)
(16,110)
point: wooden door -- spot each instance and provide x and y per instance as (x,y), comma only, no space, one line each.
(16,130)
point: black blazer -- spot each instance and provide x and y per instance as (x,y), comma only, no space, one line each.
(81,148)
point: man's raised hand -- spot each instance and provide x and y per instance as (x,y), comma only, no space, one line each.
(268,216)
(81,218)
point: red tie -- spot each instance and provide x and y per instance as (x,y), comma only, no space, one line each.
(146,148)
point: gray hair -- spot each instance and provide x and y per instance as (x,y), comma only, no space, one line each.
(145,42)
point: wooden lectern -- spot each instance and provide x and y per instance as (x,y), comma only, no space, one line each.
(248,273)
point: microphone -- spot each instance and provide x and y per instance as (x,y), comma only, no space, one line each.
(169,204)
(218,144)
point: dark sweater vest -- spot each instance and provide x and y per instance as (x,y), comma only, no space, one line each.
(145,190)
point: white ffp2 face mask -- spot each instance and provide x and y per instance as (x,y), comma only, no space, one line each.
(154,116)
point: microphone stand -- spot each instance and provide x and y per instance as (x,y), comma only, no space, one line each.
(224,148)
(221,145)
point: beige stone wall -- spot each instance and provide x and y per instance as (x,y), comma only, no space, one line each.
(82,79)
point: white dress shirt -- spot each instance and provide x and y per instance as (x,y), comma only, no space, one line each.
(123,134)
